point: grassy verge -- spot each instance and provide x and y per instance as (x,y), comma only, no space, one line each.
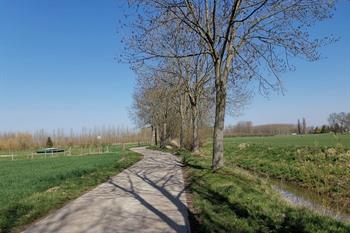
(29,189)
(323,170)
(231,201)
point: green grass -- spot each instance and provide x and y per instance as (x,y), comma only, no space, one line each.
(323,170)
(232,201)
(31,188)
(294,140)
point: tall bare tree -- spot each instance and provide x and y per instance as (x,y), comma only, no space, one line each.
(245,39)
(304,126)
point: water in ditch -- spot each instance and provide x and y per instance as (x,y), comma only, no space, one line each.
(301,197)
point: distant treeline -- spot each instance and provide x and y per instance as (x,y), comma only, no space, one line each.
(86,137)
(337,123)
(246,128)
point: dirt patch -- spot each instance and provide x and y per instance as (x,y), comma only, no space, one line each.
(53,189)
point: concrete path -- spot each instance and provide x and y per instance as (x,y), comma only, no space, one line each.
(147,197)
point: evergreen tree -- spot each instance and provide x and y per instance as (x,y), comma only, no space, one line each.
(317,130)
(49,142)
(324,129)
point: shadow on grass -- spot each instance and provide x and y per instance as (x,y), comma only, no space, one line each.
(12,214)
(230,203)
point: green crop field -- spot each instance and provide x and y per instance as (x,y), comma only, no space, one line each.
(295,140)
(29,188)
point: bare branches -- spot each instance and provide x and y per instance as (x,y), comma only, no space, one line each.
(209,45)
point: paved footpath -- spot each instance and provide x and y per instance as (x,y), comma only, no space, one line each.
(147,197)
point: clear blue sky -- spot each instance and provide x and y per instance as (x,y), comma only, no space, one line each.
(57,70)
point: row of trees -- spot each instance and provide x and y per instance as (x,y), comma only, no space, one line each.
(246,128)
(205,54)
(84,138)
(301,127)
(339,122)
(172,110)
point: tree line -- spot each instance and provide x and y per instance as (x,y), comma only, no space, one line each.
(337,123)
(15,141)
(246,128)
(197,60)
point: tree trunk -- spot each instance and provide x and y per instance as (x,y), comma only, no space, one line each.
(163,137)
(156,136)
(152,135)
(218,137)
(195,138)
(182,126)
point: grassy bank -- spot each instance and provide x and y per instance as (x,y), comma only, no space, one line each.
(232,201)
(323,170)
(31,188)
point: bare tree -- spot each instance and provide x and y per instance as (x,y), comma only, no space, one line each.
(304,126)
(339,122)
(251,39)
(299,127)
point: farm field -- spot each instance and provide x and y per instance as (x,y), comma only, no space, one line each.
(295,140)
(30,188)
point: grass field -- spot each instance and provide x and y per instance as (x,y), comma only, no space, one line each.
(314,140)
(232,201)
(323,169)
(31,188)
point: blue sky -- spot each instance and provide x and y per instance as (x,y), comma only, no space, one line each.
(57,70)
